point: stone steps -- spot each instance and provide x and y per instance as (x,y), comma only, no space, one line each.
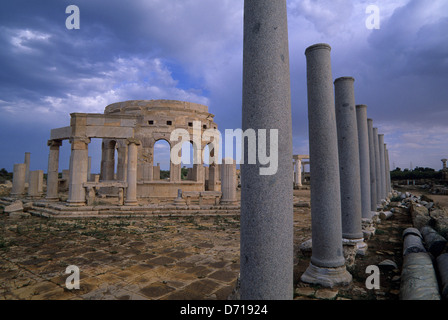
(60,210)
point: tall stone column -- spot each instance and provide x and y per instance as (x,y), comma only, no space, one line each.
(89,167)
(122,161)
(364,159)
(327,265)
(228,181)
(131,190)
(298,172)
(108,160)
(378,166)
(266,197)
(387,167)
(382,166)
(349,168)
(78,171)
(53,170)
(27,167)
(444,163)
(213,177)
(18,179)
(373,195)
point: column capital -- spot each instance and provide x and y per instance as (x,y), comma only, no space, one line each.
(79,143)
(134,141)
(54,143)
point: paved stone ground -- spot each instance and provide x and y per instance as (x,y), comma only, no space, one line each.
(194,258)
(124,258)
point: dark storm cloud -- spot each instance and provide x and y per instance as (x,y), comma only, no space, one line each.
(410,66)
(192,50)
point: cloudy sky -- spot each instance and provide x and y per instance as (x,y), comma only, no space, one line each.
(191,50)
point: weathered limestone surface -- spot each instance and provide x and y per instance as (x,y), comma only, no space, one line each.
(53,170)
(13,207)
(27,165)
(228,181)
(18,179)
(267,200)
(78,171)
(35,183)
(131,191)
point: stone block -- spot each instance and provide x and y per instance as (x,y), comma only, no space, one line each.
(14,207)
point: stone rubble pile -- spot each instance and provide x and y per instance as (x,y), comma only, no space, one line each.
(425,255)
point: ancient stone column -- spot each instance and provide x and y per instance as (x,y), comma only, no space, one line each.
(122,164)
(298,173)
(349,168)
(27,166)
(364,159)
(78,171)
(266,196)
(327,265)
(89,167)
(373,195)
(108,160)
(387,169)
(213,177)
(382,166)
(377,166)
(53,170)
(35,180)
(228,181)
(131,190)
(18,179)
(444,163)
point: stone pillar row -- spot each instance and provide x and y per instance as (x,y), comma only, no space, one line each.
(349,166)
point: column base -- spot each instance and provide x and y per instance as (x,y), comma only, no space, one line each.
(361,246)
(72,203)
(51,199)
(131,203)
(179,202)
(327,277)
(227,202)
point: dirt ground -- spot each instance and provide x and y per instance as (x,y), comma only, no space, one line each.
(193,258)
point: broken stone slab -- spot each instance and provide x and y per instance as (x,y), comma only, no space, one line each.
(19,214)
(434,242)
(13,207)
(442,266)
(418,278)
